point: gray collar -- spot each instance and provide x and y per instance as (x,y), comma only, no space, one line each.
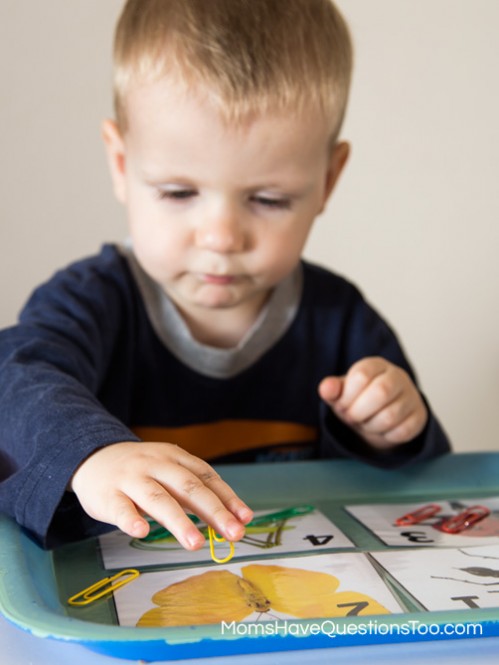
(272,323)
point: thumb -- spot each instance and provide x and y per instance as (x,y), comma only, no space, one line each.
(330,388)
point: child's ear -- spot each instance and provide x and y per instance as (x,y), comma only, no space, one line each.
(115,150)
(337,160)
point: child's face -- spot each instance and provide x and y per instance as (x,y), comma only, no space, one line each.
(218,214)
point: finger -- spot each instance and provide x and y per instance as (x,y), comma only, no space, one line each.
(407,430)
(358,377)
(227,496)
(127,518)
(388,417)
(376,397)
(194,494)
(211,479)
(330,388)
(157,501)
(165,496)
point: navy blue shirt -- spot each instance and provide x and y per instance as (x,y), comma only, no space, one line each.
(84,368)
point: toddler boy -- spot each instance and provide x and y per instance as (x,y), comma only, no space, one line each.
(205,338)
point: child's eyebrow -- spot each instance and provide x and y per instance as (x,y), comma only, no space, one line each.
(156,179)
(290,187)
(291,184)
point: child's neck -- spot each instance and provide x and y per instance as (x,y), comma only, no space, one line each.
(222,328)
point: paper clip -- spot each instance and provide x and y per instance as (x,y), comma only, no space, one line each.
(419,515)
(285,514)
(215,538)
(464,520)
(159,532)
(103,587)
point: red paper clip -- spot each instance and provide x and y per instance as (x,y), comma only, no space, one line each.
(464,520)
(418,515)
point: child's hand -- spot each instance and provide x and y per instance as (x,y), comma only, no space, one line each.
(120,483)
(378,400)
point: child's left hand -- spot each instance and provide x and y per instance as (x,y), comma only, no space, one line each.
(378,400)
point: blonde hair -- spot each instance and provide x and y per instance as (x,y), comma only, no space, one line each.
(248,56)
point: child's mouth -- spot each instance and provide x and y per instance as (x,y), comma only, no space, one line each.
(222,280)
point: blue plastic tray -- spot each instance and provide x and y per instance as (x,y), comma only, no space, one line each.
(32,581)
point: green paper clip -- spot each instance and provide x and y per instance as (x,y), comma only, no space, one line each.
(158,532)
(285,514)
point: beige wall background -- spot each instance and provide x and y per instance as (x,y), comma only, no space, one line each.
(414,221)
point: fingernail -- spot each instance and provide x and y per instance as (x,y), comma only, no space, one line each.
(245,514)
(139,528)
(195,540)
(234,530)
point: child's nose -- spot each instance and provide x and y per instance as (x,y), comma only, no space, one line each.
(221,232)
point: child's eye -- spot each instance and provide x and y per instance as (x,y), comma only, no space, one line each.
(271,202)
(175,194)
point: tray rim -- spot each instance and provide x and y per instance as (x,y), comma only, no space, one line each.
(22,604)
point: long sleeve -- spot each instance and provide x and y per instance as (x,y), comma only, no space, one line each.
(85,368)
(53,369)
(367,334)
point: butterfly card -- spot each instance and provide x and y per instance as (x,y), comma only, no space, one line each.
(323,586)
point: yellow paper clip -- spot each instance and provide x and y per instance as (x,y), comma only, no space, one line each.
(103,587)
(214,537)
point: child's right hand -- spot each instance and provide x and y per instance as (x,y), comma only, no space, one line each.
(120,483)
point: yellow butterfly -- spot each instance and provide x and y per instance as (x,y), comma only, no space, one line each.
(219,595)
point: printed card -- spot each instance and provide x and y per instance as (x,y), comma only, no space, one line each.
(447,579)
(305,532)
(382,520)
(323,586)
